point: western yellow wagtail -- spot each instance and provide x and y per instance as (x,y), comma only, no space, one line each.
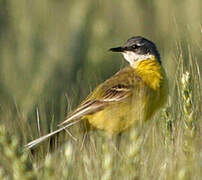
(130,96)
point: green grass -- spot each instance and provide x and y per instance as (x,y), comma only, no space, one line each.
(53,53)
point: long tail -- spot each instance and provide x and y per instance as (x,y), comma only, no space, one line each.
(45,137)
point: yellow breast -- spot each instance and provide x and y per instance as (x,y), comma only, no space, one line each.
(151,72)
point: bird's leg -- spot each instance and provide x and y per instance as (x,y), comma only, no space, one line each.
(118,141)
(115,143)
(83,141)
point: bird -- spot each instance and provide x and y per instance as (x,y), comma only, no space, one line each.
(130,97)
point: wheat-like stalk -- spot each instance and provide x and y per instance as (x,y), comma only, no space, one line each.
(133,154)
(19,164)
(189,126)
(107,162)
(167,127)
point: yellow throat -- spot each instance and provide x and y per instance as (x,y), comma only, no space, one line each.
(150,71)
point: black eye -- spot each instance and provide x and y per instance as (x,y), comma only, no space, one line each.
(135,46)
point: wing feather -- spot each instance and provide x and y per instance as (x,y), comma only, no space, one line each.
(86,109)
(117,88)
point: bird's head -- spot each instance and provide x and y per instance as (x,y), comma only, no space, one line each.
(137,49)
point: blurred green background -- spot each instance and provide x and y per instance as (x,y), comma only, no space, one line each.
(53,53)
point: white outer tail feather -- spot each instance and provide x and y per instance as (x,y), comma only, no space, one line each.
(43,138)
(83,110)
(88,108)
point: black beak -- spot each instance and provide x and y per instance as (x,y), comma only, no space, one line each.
(117,49)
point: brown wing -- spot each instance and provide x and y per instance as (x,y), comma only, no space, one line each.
(117,88)
(117,93)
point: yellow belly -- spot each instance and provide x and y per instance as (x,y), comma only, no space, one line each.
(113,119)
(118,117)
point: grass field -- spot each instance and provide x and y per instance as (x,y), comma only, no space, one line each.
(53,53)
